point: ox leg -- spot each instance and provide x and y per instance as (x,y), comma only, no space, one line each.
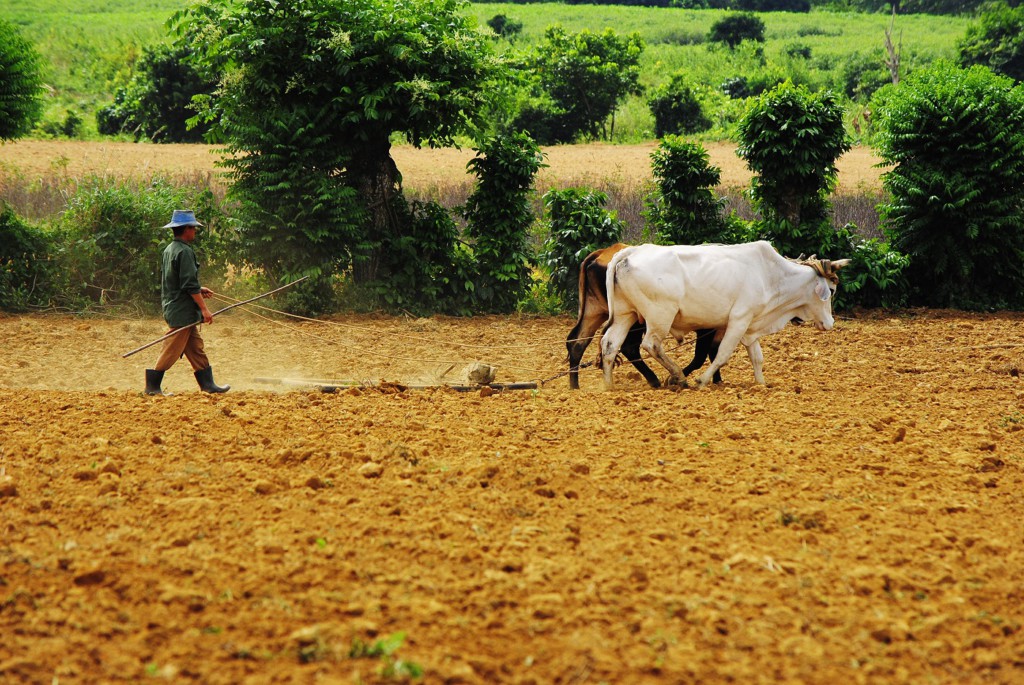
(653,344)
(578,341)
(733,332)
(705,347)
(756,360)
(612,341)
(631,350)
(716,341)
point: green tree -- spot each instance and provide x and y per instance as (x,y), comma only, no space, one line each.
(733,29)
(791,139)
(954,138)
(685,211)
(21,85)
(157,102)
(499,215)
(313,92)
(677,109)
(505,27)
(996,41)
(582,78)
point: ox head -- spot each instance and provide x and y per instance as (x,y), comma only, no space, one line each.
(819,307)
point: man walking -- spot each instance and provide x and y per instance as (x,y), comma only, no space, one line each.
(184,304)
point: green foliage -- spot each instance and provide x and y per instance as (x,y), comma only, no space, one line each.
(313,92)
(685,210)
(505,27)
(499,214)
(677,109)
(733,29)
(21,84)
(861,75)
(384,649)
(25,264)
(996,41)
(427,270)
(791,139)
(89,47)
(876,276)
(156,103)
(954,138)
(581,78)
(110,239)
(579,224)
(68,127)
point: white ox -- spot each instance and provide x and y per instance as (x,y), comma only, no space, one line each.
(748,290)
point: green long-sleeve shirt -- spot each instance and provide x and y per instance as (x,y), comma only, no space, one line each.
(178,283)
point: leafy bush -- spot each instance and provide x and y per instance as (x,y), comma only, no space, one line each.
(861,75)
(25,263)
(499,214)
(579,224)
(954,138)
(428,269)
(677,109)
(21,83)
(876,276)
(110,240)
(791,139)
(685,210)
(996,41)
(505,27)
(156,103)
(733,29)
(68,127)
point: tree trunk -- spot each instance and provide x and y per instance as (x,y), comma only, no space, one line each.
(375,177)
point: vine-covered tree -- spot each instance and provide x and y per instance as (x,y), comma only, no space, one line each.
(313,91)
(21,85)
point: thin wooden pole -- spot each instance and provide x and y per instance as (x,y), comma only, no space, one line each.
(219,311)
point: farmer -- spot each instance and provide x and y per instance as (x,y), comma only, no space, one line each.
(184,304)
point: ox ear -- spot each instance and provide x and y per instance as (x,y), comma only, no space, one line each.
(838,264)
(822,290)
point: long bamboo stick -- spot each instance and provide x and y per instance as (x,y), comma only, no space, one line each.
(219,311)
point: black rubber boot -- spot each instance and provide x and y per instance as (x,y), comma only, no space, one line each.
(153,380)
(205,380)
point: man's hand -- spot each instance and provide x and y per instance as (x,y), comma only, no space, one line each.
(205,292)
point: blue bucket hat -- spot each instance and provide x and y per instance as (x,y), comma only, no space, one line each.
(183,217)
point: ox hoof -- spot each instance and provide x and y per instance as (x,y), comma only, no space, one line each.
(674,383)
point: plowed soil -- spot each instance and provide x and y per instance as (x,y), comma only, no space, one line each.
(858,520)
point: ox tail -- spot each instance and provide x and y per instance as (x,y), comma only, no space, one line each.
(584,267)
(610,279)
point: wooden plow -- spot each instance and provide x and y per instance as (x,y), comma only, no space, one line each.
(331,386)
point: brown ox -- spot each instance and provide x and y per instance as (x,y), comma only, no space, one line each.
(594,314)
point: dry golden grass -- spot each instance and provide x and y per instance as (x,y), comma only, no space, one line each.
(593,163)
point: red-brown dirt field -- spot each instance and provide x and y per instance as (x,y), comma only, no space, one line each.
(858,520)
